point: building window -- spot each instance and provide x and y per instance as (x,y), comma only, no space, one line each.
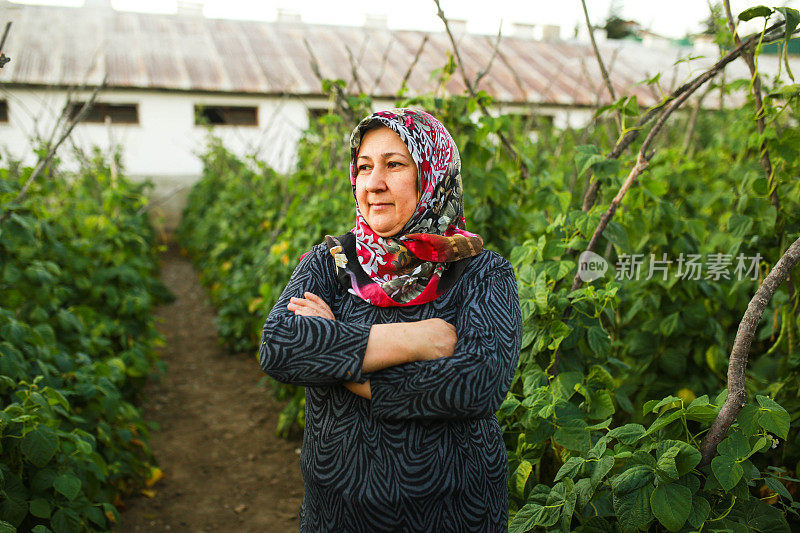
(3,111)
(117,113)
(215,115)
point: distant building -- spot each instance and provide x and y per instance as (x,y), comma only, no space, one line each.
(167,75)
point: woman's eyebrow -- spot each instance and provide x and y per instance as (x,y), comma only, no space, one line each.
(383,155)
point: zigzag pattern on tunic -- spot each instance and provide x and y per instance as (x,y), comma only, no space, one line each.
(426,454)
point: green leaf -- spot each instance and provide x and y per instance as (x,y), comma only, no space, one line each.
(765,518)
(753,12)
(526,518)
(599,342)
(666,469)
(792,17)
(727,471)
(617,235)
(671,505)
(65,521)
(700,410)
(761,186)
(68,485)
(734,445)
(586,156)
(631,496)
(39,445)
(521,475)
(564,384)
(573,435)
(778,487)
(628,434)
(570,468)
(787,91)
(739,226)
(655,405)
(40,508)
(585,491)
(748,419)
(600,405)
(772,417)
(663,421)
(602,468)
(5,527)
(670,324)
(595,524)
(700,511)
(508,406)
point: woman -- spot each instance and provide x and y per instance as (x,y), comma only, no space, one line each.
(407,334)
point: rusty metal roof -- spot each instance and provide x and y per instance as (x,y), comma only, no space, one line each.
(66,46)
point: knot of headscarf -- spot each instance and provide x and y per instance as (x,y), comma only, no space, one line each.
(406,268)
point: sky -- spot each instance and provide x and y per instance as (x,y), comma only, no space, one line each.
(675,18)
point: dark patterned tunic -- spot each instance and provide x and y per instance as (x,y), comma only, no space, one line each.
(426,452)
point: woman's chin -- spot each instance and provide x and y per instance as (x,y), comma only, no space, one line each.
(383,227)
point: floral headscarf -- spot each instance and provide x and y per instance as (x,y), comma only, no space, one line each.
(407,268)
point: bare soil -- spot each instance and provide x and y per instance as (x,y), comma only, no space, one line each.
(224,468)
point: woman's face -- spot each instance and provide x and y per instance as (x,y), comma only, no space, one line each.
(386,183)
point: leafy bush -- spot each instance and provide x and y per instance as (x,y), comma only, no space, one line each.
(619,379)
(78,283)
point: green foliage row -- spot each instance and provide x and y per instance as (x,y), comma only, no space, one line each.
(612,442)
(78,284)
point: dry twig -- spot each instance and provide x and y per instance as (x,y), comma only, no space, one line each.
(603,71)
(486,70)
(748,55)
(43,162)
(413,64)
(523,168)
(737,394)
(3,58)
(633,133)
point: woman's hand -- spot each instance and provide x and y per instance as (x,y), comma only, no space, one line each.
(437,338)
(361,389)
(311,305)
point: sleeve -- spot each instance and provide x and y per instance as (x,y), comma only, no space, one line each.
(473,382)
(307,350)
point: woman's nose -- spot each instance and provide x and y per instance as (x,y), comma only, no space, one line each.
(376,180)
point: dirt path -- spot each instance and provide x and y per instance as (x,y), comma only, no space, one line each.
(225,470)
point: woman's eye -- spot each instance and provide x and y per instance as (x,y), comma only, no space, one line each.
(363,167)
(394,163)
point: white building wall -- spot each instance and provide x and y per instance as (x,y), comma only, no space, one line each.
(165,146)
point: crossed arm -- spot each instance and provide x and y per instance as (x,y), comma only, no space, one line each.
(427,369)
(388,344)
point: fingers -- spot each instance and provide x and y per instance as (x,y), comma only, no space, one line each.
(308,311)
(310,307)
(314,298)
(319,303)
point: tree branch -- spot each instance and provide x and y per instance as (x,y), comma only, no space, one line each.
(43,162)
(630,136)
(413,64)
(737,394)
(486,70)
(643,157)
(602,65)
(354,69)
(3,58)
(748,55)
(341,100)
(523,168)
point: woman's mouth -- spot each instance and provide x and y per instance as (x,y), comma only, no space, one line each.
(379,206)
